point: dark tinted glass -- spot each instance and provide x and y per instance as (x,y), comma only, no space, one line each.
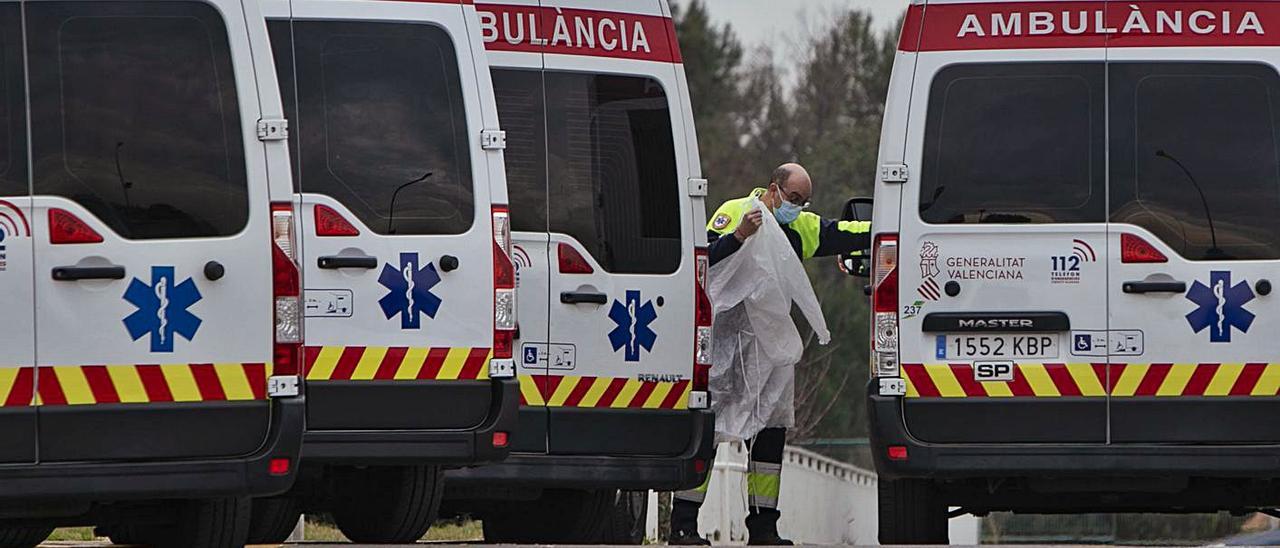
(379,108)
(13,112)
(134,116)
(1015,143)
(1194,157)
(521,111)
(612,170)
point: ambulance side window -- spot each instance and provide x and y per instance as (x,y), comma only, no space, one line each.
(1015,143)
(379,108)
(521,110)
(1195,156)
(13,130)
(612,170)
(134,115)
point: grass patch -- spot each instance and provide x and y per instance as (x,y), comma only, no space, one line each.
(73,533)
(318,529)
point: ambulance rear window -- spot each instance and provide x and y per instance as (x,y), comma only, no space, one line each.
(1015,143)
(1195,157)
(381,124)
(13,126)
(134,115)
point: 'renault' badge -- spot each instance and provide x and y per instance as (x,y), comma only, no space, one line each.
(721,221)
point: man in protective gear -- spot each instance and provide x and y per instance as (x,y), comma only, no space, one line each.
(760,409)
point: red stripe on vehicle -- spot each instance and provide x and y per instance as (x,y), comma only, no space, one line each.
(23,388)
(611,393)
(1100,370)
(310,354)
(592,33)
(435,360)
(1248,378)
(549,386)
(207,382)
(1062,379)
(909,37)
(1200,379)
(100,384)
(390,363)
(1020,387)
(347,363)
(642,394)
(475,361)
(579,391)
(1082,24)
(50,388)
(154,383)
(673,397)
(257,375)
(1153,379)
(921,381)
(963,373)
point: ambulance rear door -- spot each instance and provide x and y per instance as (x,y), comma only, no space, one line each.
(397,231)
(1003,240)
(622,290)
(17,296)
(1195,187)
(151,222)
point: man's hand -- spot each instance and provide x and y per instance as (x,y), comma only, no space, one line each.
(749,225)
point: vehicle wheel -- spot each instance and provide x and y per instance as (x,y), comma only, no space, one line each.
(23,537)
(120,534)
(272,520)
(560,516)
(626,525)
(212,523)
(911,512)
(387,504)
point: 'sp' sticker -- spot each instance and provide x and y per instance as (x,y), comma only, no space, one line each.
(721,221)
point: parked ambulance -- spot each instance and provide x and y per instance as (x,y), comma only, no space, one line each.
(1077,230)
(608,223)
(148,275)
(405,243)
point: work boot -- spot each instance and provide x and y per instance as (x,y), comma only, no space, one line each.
(687,538)
(762,528)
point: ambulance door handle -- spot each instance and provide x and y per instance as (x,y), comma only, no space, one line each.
(576,297)
(77,273)
(334,262)
(1169,286)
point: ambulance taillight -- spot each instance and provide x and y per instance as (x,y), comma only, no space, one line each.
(884,306)
(504,295)
(286,289)
(702,318)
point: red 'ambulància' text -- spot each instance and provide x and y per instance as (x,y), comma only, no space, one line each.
(1174,21)
(576,31)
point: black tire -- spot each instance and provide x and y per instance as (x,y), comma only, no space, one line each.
(272,520)
(122,535)
(387,504)
(911,512)
(560,516)
(23,537)
(211,523)
(626,525)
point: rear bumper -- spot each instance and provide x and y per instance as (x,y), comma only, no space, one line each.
(957,461)
(168,479)
(537,470)
(384,447)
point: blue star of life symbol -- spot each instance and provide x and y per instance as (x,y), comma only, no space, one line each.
(162,309)
(1220,306)
(632,332)
(409,291)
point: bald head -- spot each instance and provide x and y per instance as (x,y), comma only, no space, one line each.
(790,182)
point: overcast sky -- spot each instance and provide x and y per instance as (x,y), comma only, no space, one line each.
(776,23)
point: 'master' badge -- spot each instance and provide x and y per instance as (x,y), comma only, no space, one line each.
(721,221)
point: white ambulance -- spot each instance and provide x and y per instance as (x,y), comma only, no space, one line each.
(405,249)
(609,229)
(149,347)
(1076,230)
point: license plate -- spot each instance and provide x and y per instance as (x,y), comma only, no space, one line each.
(1023,346)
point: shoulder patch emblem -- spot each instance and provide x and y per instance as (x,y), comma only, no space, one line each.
(721,221)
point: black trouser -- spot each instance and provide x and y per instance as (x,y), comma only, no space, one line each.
(764,480)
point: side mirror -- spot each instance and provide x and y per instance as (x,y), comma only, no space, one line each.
(856,209)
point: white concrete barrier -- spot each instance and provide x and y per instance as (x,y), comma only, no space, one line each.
(823,501)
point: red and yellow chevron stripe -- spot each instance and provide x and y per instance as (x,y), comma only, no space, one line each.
(381,363)
(601,392)
(95,384)
(1051,380)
